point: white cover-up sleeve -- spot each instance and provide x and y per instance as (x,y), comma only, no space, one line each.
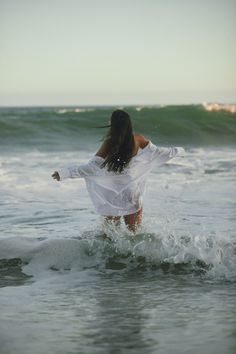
(78,171)
(160,155)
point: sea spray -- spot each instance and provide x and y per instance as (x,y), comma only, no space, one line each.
(211,255)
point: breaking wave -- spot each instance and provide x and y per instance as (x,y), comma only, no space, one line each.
(67,128)
(212,257)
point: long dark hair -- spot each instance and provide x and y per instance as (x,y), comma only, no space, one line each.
(120,142)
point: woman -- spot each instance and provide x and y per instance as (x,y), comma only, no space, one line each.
(116,176)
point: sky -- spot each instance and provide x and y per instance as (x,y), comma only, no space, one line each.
(105,52)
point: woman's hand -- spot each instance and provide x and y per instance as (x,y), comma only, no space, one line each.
(56,176)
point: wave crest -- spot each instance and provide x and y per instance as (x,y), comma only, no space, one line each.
(211,256)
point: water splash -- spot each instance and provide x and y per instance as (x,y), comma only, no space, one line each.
(212,256)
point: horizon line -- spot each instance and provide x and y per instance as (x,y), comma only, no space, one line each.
(117,104)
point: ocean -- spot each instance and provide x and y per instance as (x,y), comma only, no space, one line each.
(169,289)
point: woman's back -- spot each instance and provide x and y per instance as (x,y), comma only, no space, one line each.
(115,193)
(139,143)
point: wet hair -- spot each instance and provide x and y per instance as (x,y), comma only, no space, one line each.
(120,142)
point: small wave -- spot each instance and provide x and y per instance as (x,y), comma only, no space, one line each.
(211,256)
(76,110)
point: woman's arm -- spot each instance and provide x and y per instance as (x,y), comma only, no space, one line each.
(78,171)
(75,171)
(160,155)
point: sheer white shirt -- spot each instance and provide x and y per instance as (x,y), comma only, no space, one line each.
(119,194)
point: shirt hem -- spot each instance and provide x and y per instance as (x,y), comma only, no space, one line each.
(121,213)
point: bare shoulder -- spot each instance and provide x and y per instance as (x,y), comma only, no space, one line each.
(102,151)
(141,140)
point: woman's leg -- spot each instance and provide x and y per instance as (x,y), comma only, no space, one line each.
(133,220)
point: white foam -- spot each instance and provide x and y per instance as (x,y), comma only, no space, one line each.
(215,255)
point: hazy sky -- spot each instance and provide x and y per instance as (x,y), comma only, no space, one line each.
(55,52)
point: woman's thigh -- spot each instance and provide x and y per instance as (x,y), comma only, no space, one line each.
(133,220)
